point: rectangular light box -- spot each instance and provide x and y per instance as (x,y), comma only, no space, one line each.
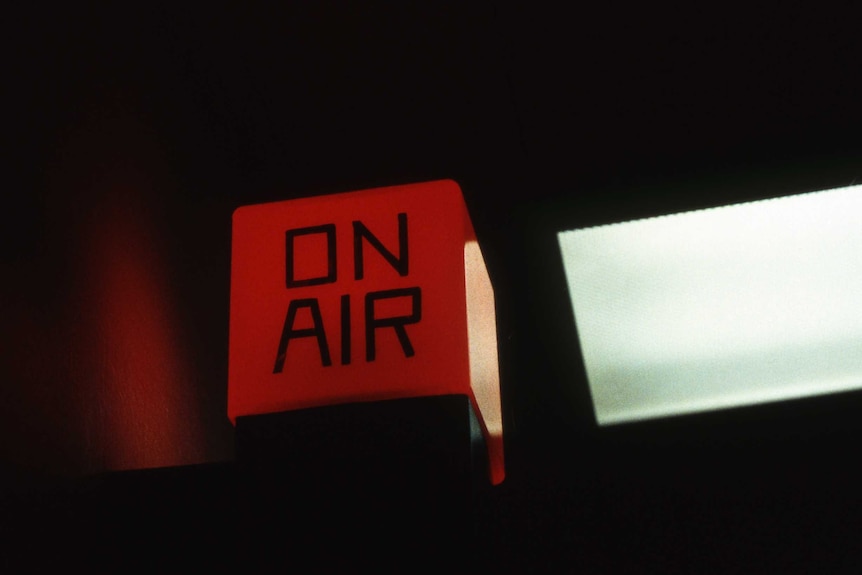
(722,307)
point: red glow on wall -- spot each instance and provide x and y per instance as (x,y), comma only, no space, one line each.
(141,409)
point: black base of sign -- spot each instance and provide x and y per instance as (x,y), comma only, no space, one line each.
(383,485)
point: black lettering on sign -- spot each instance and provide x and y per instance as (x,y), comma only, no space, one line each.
(331,269)
(397,323)
(400,263)
(361,234)
(345,330)
(288,332)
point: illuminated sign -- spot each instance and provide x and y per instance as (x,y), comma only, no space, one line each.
(723,307)
(362,296)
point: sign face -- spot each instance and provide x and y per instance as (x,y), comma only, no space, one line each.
(723,307)
(362,296)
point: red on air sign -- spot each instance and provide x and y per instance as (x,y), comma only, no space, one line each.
(362,296)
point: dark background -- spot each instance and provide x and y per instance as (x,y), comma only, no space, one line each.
(132,133)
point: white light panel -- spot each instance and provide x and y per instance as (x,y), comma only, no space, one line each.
(723,307)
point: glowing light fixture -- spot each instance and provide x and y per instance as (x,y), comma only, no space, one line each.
(363,296)
(723,307)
